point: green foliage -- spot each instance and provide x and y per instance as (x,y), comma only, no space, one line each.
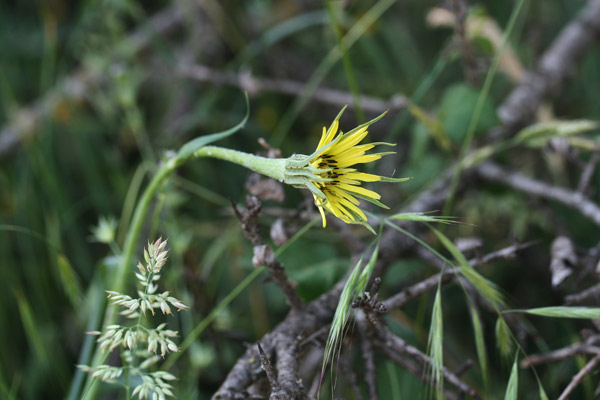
(513,382)
(456,109)
(96,99)
(435,344)
(566,312)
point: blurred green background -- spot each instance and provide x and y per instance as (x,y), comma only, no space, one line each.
(94,92)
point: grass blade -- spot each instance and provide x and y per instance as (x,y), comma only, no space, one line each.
(485,287)
(503,337)
(435,343)
(480,345)
(513,382)
(566,312)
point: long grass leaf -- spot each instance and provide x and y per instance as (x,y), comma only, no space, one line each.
(513,382)
(565,312)
(487,84)
(435,343)
(480,345)
(503,337)
(485,287)
(354,287)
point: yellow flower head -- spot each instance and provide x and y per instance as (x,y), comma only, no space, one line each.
(340,184)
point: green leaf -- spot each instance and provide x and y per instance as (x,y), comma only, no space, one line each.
(480,345)
(432,124)
(435,343)
(354,287)
(485,287)
(456,111)
(513,382)
(69,280)
(423,217)
(190,147)
(543,395)
(539,134)
(566,312)
(503,337)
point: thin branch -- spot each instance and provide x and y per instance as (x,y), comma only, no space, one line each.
(366,347)
(588,173)
(587,347)
(394,347)
(557,63)
(579,377)
(515,180)
(252,85)
(592,292)
(414,291)
(268,368)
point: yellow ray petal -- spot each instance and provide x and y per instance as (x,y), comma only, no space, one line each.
(361,176)
(350,141)
(355,151)
(340,193)
(329,134)
(359,160)
(360,190)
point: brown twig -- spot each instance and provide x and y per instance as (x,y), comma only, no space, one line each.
(268,368)
(395,348)
(587,347)
(588,173)
(515,180)
(414,291)
(263,254)
(254,85)
(350,376)
(592,292)
(557,63)
(579,377)
(366,347)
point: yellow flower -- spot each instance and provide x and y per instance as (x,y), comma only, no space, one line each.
(339,184)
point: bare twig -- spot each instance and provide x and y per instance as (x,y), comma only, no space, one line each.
(449,274)
(293,88)
(394,347)
(588,173)
(579,377)
(366,347)
(268,368)
(515,180)
(587,347)
(557,63)
(350,377)
(592,292)
(263,255)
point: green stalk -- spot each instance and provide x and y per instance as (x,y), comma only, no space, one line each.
(272,167)
(350,77)
(479,105)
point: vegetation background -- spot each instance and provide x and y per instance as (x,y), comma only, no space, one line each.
(94,93)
